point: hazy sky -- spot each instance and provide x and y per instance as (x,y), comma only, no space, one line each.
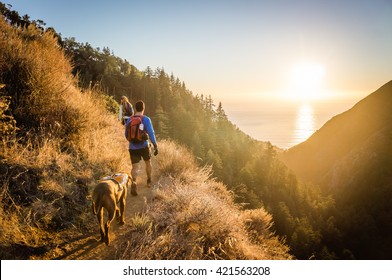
(243,48)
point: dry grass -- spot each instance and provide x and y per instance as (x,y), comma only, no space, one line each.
(66,140)
(194,217)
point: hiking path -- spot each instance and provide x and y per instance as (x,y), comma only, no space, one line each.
(87,245)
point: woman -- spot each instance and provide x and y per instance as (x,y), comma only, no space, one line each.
(126,110)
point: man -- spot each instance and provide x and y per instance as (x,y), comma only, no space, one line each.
(141,149)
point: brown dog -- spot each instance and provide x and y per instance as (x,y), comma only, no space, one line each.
(110,193)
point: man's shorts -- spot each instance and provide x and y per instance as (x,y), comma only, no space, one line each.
(137,155)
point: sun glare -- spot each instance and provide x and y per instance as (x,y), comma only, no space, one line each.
(306,81)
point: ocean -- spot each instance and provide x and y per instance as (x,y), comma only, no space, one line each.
(284,125)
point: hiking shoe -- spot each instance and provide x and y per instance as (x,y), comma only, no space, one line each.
(133,189)
(149,183)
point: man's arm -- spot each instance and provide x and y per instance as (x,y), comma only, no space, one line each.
(151,133)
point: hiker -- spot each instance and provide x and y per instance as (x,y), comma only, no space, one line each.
(126,110)
(138,130)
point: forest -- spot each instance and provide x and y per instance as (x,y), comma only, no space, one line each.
(304,214)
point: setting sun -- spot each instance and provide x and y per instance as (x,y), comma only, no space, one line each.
(306,81)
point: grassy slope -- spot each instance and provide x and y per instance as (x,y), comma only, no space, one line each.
(342,136)
(66,140)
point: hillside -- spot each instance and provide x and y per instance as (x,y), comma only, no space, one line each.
(343,135)
(351,158)
(58,139)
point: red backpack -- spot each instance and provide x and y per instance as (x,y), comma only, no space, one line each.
(136,132)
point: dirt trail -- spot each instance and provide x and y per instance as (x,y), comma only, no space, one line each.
(86,246)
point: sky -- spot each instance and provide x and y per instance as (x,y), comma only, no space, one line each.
(241,52)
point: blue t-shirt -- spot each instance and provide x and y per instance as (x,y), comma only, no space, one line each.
(147,127)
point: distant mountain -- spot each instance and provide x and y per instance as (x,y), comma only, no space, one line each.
(343,135)
(350,157)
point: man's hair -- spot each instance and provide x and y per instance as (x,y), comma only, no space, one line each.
(139,106)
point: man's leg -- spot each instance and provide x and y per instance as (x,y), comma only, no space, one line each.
(135,158)
(134,172)
(148,171)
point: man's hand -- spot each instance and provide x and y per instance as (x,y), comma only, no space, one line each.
(155,150)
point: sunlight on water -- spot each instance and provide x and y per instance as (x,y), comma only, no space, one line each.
(304,126)
(285,124)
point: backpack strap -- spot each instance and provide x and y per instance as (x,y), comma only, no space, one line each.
(137,116)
